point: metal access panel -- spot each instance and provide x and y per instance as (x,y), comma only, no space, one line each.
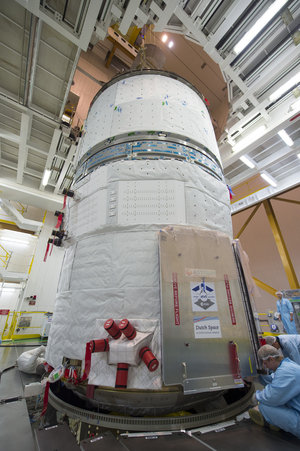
(204,326)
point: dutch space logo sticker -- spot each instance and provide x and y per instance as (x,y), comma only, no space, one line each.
(207,327)
(203,297)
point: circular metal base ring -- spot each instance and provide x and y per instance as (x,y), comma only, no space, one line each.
(151,423)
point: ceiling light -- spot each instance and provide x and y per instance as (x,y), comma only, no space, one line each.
(46,177)
(248,161)
(285,137)
(268,178)
(285,87)
(259,25)
(66,118)
(170,45)
(298,155)
(249,139)
(164,38)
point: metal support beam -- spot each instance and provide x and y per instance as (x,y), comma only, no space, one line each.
(9,136)
(232,14)
(65,168)
(34,60)
(88,21)
(264,286)
(12,165)
(287,200)
(129,14)
(163,15)
(247,221)
(223,63)
(26,122)
(266,163)
(53,147)
(282,249)
(69,82)
(30,196)
(18,219)
(18,106)
(29,60)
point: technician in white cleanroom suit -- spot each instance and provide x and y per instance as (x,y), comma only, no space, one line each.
(279,401)
(288,344)
(286,313)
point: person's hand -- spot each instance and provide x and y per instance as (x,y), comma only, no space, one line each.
(262,371)
(253,401)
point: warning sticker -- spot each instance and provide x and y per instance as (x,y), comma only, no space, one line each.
(228,292)
(176,299)
(207,327)
(203,297)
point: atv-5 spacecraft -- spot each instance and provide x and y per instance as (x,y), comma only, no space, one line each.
(152,314)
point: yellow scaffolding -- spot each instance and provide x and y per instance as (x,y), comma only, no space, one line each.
(4,257)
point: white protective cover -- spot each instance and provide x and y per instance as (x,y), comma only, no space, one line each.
(111,264)
(111,267)
(28,361)
(149,102)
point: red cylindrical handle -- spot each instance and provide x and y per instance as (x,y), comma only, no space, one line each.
(234,360)
(149,359)
(100,345)
(122,375)
(127,328)
(111,327)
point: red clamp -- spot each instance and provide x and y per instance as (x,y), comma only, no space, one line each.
(234,361)
(47,250)
(111,327)
(127,328)
(149,359)
(122,375)
(59,220)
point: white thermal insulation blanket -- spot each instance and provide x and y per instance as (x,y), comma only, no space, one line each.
(149,102)
(111,264)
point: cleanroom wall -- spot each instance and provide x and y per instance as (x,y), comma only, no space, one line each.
(43,277)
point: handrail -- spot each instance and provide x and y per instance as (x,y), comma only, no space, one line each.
(12,323)
(6,257)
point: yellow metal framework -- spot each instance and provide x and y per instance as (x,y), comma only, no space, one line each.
(4,256)
(282,249)
(247,221)
(287,200)
(264,286)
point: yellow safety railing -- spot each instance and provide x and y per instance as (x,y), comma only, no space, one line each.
(23,324)
(4,257)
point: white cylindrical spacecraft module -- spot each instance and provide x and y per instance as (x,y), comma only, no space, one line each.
(148,164)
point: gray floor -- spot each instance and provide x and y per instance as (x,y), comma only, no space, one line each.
(15,428)
(16,432)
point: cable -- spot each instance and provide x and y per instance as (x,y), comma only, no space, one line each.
(22,346)
(6,369)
